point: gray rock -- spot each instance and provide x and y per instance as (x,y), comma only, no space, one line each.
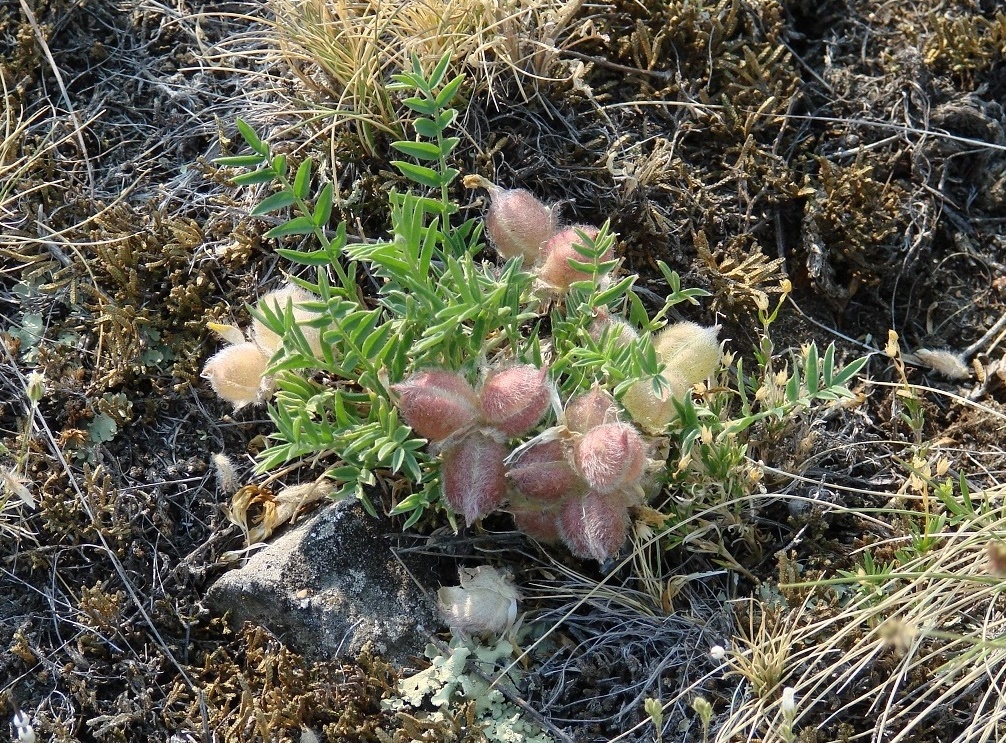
(331,584)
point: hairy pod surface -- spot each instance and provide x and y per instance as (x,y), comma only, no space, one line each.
(437,403)
(543,473)
(473,476)
(689,349)
(610,457)
(277,301)
(555,269)
(652,410)
(590,409)
(515,398)
(236,372)
(538,524)
(595,525)
(518,224)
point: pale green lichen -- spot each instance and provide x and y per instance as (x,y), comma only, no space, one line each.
(446,684)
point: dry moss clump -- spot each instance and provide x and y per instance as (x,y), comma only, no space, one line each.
(849,225)
(256,689)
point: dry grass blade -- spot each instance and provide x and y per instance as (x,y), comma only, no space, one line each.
(344,51)
(913,640)
(78,128)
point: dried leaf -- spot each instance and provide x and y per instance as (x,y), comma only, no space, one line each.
(259,512)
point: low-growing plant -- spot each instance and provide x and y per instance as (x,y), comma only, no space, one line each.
(515,374)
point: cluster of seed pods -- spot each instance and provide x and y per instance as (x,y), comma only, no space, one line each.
(575,485)
(470,428)
(518,225)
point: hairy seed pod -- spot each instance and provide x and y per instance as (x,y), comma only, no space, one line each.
(590,409)
(689,349)
(515,398)
(595,525)
(538,524)
(277,301)
(610,457)
(617,327)
(557,252)
(473,476)
(543,474)
(518,224)
(653,411)
(437,403)
(236,373)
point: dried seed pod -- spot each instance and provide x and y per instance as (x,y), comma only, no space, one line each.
(558,251)
(515,398)
(590,409)
(595,525)
(653,411)
(277,302)
(689,349)
(947,363)
(610,457)
(236,373)
(518,224)
(484,603)
(473,476)
(437,403)
(543,473)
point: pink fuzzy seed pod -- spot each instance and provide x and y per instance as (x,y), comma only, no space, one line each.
(543,474)
(594,526)
(437,403)
(540,525)
(555,270)
(515,398)
(589,410)
(610,457)
(473,476)
(518,224)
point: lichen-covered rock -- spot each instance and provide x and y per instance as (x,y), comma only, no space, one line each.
(332,584)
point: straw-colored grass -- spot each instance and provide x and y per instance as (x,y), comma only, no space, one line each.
(344,51)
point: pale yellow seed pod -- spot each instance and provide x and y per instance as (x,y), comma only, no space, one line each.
(236,373)
(652,411)
(277,301)
(689,349)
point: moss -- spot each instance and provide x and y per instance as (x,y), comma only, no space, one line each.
(257,689)
(963,44)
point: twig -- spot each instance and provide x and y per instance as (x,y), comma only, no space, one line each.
(978,345)
(601,62)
